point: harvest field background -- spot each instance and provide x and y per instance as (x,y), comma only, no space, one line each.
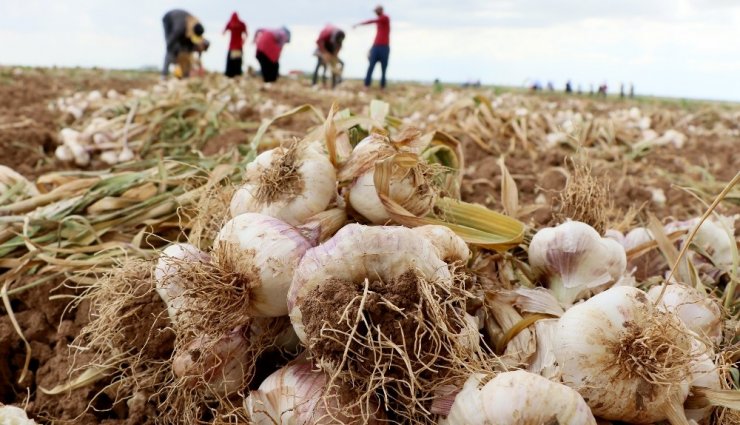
(147,163)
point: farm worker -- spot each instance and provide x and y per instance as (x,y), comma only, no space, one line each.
(183,34)
(270,44)
(328,45)
(238,30)
(381,47)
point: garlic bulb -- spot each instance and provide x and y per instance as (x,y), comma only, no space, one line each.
(450,247)
(715,237)
(357,253)
(517,398)
(289,184)
(12,415)
(629,360)
(410,188)
(699,312)
(223,365)
(705,374)
(575,260)
(169,280)
(262,252)
(297,395)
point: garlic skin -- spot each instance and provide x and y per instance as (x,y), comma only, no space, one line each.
(629,360)
(169,284)
(574,259)
(517,398)
(357,252)
(293,396)
(221,366)
(264,251)
(704,373)
(700,313)
(450,247)
(12,415)
(288,184)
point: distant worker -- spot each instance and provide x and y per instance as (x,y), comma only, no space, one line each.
(381,46)
(568,87)
(621,90)
(238,30)
(270,44)
(632,90)
(328,46)
(550,86)
(183,35)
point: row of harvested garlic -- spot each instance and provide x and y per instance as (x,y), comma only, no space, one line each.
(626,358)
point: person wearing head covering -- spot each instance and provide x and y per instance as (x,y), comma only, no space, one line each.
(381,46)
(328,46)
(270,44)
(238,30)
(183,35)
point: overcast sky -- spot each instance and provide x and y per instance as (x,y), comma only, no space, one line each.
(676,48)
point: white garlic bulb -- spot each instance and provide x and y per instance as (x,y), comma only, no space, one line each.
(629,360)
(517,398)
(12,415)
(575,260)
(699,312)
(715,237)
(264,252)
(705,374)
(297,395)
(169,280)
(289,184)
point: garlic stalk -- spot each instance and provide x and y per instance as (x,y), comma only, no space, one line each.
(298,395)
(168,276)
(699,312)
(261,253)
(410,188)
(575,261)
(629,360)
(290,184)
(517,398)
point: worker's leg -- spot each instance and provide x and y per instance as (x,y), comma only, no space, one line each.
(316,72)
(384,52)
(373,60)
(264,65)
(277,71)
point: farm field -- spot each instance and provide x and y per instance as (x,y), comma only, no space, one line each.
(104,170)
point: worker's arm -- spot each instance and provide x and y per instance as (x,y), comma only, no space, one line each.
(368,22)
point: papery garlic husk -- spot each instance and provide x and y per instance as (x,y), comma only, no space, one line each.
(544,362)
(700,313)
(260,254)
(575,261)
(450,247)
(383,293)
(12,415)
(171,278)
(501,316)
(412,188)
(291,184)
(517,398)
(298,395)
(629,360)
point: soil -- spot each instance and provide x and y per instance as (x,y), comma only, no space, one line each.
(225,141)
(28,127)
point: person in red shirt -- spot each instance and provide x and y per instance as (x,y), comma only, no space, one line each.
(270,44)
(238,31)
(328,45)
(381,47)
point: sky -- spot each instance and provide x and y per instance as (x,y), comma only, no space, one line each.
(678,48)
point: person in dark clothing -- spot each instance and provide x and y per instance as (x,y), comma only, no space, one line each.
(568,87)
(328,46)
(183,35)
(381,46)
(270,44)
(238,30)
